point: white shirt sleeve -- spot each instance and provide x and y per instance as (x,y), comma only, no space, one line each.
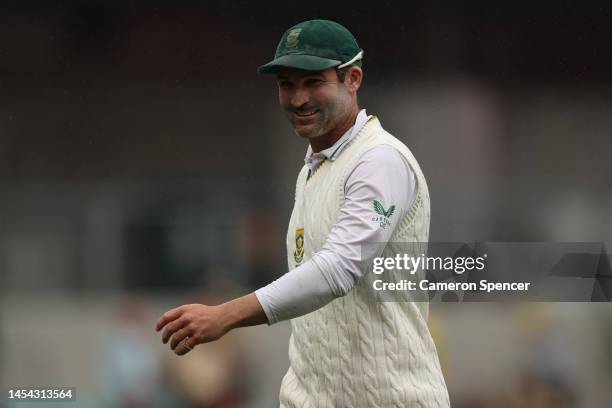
(381,174)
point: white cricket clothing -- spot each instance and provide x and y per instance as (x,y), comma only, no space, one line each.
(334,271)
(354,351)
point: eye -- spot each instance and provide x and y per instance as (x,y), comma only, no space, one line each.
(284,84)
(313,81)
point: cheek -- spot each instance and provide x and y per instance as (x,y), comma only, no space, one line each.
(328,100)
(283,97)
(332,106)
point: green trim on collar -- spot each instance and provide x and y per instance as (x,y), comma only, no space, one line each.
(331,156)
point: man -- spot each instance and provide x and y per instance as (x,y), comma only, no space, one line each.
(360,188)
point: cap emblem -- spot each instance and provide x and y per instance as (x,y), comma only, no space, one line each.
(292,37)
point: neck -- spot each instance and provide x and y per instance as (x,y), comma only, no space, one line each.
(327,140)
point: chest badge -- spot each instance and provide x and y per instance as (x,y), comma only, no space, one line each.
(298,253)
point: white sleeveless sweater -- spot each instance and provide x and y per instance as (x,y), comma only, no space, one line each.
(356,352)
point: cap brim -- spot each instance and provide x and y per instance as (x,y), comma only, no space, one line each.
(298,61)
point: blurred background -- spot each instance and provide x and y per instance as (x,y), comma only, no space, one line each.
(144,164)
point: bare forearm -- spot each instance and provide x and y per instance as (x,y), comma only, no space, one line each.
(243,311)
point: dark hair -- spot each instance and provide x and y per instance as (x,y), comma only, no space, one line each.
(342,73)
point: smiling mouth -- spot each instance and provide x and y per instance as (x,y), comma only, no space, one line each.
(306,114)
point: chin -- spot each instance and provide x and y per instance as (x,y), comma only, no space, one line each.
(307,134)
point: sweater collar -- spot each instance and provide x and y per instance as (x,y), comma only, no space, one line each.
(312,160)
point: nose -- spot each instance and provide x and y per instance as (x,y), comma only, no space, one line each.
(299,97)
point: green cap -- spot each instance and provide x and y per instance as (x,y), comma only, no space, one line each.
(315,45)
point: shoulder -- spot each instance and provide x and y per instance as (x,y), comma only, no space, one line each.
(381,162)
(381,154)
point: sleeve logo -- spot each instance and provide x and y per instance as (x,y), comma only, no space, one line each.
(383,215)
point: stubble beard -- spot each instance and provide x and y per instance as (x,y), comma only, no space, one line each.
(329,116)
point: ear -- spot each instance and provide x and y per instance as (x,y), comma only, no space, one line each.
(353,78)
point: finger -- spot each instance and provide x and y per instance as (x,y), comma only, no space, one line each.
(178,337)
(184,346)
(167,317)
(172,328)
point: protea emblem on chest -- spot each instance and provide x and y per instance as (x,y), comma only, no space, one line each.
(298,253)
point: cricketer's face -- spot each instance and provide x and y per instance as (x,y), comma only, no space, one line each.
(314,102)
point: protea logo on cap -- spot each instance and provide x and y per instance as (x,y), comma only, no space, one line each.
(292,37)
